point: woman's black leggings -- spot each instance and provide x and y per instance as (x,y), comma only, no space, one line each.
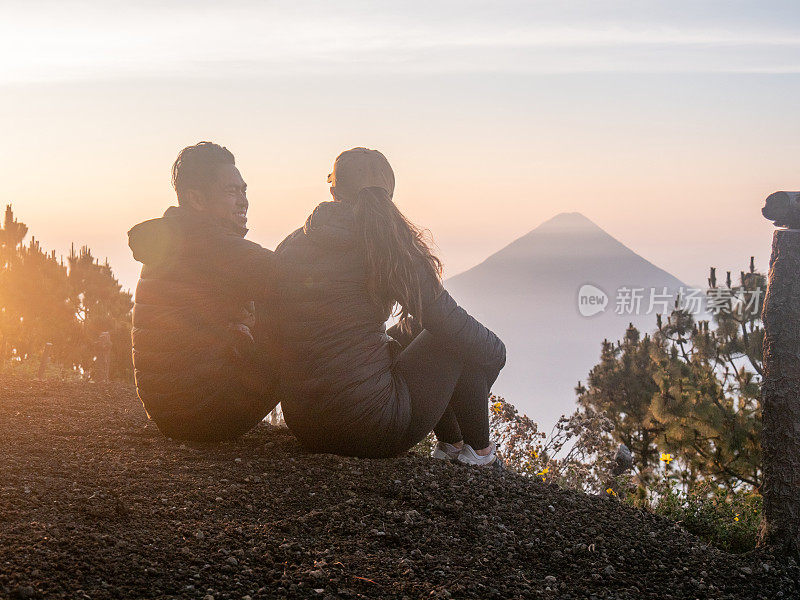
(448,395)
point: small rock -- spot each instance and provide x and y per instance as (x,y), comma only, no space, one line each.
(24,591)
(232,561)
(746,570)
(200,535)
(550,579)
(237,460)
(551,508)
(609,570)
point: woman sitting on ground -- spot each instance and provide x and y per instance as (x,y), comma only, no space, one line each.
(347,385)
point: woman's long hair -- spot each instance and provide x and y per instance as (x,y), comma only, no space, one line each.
(397,255)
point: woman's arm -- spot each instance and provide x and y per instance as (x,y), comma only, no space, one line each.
(457,329)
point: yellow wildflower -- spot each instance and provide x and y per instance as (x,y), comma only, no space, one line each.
(666,457)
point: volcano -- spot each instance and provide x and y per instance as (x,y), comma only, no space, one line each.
(553,296)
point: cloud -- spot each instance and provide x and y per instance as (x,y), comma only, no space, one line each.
(63,42)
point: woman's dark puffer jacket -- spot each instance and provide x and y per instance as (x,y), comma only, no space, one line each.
(193,311)
(338,387)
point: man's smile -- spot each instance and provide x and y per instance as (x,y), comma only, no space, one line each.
(240,216)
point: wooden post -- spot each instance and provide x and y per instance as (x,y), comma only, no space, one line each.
(45,360)
(780,437)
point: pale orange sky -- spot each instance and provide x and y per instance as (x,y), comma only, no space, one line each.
(667,130)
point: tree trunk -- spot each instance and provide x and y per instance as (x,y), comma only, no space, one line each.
(780,437)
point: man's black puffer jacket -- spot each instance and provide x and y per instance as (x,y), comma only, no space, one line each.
(194,310)
(338,385)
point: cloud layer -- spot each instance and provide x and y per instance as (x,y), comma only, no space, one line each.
(64,41)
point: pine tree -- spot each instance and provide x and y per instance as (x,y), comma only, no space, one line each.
(622,387)
(37,295)
(690,391)
(43,300)
(99,305)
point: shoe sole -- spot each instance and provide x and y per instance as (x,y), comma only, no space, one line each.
(478,464)
(443,456)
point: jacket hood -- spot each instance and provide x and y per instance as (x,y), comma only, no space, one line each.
(157,239)
(151,240)
(331,224)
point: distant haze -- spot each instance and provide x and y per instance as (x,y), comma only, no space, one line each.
(528,294)
(667,123)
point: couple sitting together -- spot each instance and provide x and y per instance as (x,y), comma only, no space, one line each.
(224,329)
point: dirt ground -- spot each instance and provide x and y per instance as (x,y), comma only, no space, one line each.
(95,503)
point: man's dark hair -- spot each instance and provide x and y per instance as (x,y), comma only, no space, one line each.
(195,167)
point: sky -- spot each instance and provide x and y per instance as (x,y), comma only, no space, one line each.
(666,123)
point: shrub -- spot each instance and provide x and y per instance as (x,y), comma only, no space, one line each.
(425,447)
(728,519)
(575,454)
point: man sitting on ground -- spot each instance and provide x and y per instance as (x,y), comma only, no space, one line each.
(201,345)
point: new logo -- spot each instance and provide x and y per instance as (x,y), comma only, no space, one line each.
(591,300)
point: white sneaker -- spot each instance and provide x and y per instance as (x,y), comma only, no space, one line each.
(468,456)
(445,451)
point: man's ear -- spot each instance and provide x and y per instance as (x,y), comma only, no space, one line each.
(195,200)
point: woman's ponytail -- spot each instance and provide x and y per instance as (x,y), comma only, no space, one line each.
(398,259)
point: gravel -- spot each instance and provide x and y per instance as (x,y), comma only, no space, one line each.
(96,503)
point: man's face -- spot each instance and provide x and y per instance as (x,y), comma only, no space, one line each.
(227,200)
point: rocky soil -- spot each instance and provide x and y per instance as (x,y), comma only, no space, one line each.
(95,503)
